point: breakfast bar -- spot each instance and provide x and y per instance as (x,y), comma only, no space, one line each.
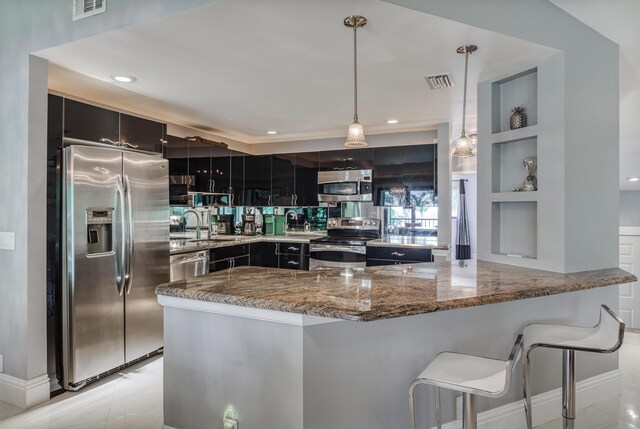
(286,349)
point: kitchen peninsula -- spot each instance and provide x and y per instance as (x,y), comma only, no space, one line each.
(287,349)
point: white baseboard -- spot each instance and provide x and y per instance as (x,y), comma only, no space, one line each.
(167,427)
(24,393)
(547,406)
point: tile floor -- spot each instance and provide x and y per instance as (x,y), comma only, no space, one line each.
(133,399)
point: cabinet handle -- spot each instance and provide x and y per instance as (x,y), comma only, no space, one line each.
(397,254)
(295,199)
(269,201)
(293,263)
(295,249)
(277,248)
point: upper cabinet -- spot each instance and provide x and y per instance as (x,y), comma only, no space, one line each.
(236,186)
(348,159)
(86,122)
(257,181)
(141,133)
(283,179)
(306,183)
(405,175)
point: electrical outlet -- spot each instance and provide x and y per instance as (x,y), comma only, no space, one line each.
(7,241)
(458,407)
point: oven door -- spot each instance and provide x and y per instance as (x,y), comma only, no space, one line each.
(337,256)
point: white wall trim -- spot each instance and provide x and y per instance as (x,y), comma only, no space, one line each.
(24,393)
(547,406)
(245,312)
(630,230)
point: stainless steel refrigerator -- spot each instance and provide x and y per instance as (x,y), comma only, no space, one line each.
(116,223)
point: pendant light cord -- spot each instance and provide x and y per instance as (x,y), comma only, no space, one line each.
(355,71)
(464,102)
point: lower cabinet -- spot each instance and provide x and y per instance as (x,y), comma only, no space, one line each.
(293,256)
(385,255)
(264,255)
(227,257)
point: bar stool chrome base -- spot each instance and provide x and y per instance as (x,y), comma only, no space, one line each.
(605,337)
(472,375)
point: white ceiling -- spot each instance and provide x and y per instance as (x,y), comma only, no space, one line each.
(618,21)
(239,68)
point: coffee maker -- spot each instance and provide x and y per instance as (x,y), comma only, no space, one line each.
(249,223)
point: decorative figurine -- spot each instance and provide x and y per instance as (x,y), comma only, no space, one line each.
(518,118)
(530,182)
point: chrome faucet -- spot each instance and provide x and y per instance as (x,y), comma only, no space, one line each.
(198,224)
(286,215)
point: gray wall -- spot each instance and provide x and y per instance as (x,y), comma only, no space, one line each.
(591,131)
(26,27)
(630,208)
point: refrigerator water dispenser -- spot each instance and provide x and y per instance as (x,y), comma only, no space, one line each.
(99,230)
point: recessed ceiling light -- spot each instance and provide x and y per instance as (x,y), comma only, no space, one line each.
(392,121)
(272,132)
(124,79)
(633,179)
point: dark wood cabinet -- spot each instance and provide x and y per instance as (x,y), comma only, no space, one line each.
(388,164)
(306,174)
(220,170)
(141,133)
(283,179)
(86,122)
(257,181)
(347,159)
(236,186)
(419,172)
(264,254)
(227,257)
(293,256)
(405,176)
(387,255)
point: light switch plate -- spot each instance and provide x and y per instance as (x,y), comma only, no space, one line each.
(7,241)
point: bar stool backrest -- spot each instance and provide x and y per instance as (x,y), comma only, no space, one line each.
(609,331)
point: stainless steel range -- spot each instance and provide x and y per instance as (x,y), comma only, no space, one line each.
(345,245)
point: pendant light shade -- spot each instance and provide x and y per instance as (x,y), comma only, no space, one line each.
(464,147)
(355,136)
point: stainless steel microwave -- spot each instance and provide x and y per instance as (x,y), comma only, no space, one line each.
(345,185)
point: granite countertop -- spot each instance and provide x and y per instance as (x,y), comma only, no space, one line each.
(384,292)
(409,241)
(184,243)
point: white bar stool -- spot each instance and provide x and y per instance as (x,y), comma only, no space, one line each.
(605,337)
(471,375)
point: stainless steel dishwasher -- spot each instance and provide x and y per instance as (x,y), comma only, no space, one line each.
(187,265)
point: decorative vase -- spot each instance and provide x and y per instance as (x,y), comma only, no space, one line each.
(518,119)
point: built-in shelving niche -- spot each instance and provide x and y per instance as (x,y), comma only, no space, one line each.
(515,229)
(508,171)
(519,90)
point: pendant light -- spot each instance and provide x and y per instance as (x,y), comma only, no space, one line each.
(464,147)
(355,136)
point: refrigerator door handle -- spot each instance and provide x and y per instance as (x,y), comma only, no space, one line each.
(129,275)
(120,269)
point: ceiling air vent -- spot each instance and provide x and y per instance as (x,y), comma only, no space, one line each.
(86,8)
(440,81)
